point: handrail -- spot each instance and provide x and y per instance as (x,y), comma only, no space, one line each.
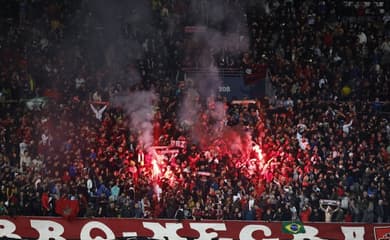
(220,71)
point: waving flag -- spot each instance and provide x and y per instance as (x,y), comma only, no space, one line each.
(293,227)
(67,208)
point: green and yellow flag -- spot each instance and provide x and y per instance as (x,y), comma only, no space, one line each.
(292,227)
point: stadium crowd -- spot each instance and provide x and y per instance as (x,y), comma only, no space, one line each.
(317,150)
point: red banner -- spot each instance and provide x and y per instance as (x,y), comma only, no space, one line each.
(111,228)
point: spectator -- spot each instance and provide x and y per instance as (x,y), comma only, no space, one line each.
(305,214)
(329,211)
(325,134)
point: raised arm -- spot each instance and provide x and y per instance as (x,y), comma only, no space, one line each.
(322,207)
(349,124)
(103,108)
(93,108)
(336,209)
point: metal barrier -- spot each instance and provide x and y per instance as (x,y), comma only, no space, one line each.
(220,71)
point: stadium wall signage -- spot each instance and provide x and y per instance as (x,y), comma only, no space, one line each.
(121,228)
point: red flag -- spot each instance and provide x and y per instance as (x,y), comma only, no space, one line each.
(67,208)
(45,202)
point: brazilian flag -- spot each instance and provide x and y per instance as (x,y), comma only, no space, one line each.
(292,227)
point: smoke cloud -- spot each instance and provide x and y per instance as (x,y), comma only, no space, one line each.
(221,28)
(110,36)
(190,108)
(139,107)
(116,42)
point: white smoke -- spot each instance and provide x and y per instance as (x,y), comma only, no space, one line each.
(190,108)
(207,82)
(139,107)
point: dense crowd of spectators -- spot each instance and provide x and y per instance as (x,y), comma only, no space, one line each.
(317,150)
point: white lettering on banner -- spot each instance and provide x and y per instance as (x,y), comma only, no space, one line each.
(203,227)
(129,234)
(247,231)
(7,229)
(175,143)
(224,89)
(54,229)
(168,231)
(87,228)
(353,233)
(48,229)
(310,233)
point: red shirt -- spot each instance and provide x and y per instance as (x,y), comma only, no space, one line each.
(348,217)
(305,215)
(45,201)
